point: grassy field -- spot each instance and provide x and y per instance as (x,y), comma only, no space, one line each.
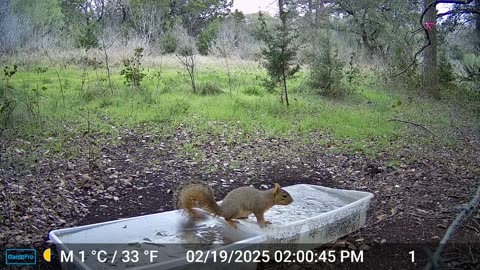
(54,101)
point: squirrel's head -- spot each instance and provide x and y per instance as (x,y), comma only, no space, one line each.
(280,196)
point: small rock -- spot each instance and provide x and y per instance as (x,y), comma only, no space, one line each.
(364,247)
(115,198)
(86,177)
(109,170)
(111,189)
(350,245)
(70,166)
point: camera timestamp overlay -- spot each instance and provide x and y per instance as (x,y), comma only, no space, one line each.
(270,256)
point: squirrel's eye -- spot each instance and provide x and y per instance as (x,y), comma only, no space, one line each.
(284,195)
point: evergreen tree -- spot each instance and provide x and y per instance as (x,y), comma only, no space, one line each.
(279,55)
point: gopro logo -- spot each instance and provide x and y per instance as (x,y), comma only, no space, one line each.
(20,256)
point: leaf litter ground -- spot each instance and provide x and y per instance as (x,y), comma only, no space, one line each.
(418,190)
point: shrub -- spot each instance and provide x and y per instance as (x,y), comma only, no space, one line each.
(279,53)
(186,53)
(7,105)
(9,72)
(253,91)
(172,110)
(352,73)
(168,43)
(209,89)
(133,71)
(446,76)
(471,70)
(326,69)
(397,73)
(7,100)
(87,37)
(207,37)
(457,53)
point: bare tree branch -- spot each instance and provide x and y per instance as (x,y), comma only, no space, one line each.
(433,263)
(422,27)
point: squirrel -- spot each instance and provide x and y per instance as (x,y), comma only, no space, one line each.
(238,204)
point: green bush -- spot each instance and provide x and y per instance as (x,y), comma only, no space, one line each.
(7,105)
(206,37)
(352,74)
(326,69)
(133,71)
(446,76)
(168,43)
(279,54)
(180,106)
(253,91)
(471,70)
(209,89)
(172,110)
(457,52)
(7,100)
(401,78)
(87,37)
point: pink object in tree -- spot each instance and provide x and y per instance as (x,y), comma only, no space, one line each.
(430,25)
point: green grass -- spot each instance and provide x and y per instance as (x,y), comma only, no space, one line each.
(86,101)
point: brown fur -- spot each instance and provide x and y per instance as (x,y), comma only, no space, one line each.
(239,203)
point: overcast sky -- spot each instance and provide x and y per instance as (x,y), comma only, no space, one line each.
(253,6)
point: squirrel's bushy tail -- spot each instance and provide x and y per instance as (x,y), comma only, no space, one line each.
(198,196)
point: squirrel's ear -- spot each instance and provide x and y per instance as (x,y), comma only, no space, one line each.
(276,189)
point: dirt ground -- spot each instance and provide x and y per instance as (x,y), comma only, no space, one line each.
(418,190)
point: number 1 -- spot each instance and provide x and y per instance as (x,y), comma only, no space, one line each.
(413,255)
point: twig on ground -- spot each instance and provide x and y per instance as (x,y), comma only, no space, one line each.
(415,124)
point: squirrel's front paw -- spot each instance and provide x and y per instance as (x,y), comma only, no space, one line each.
(264,223)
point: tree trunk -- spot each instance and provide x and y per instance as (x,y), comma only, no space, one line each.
(285,87)
(283,19)
(430,68)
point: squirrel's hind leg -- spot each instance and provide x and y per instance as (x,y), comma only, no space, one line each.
(232,222)
(194,214)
